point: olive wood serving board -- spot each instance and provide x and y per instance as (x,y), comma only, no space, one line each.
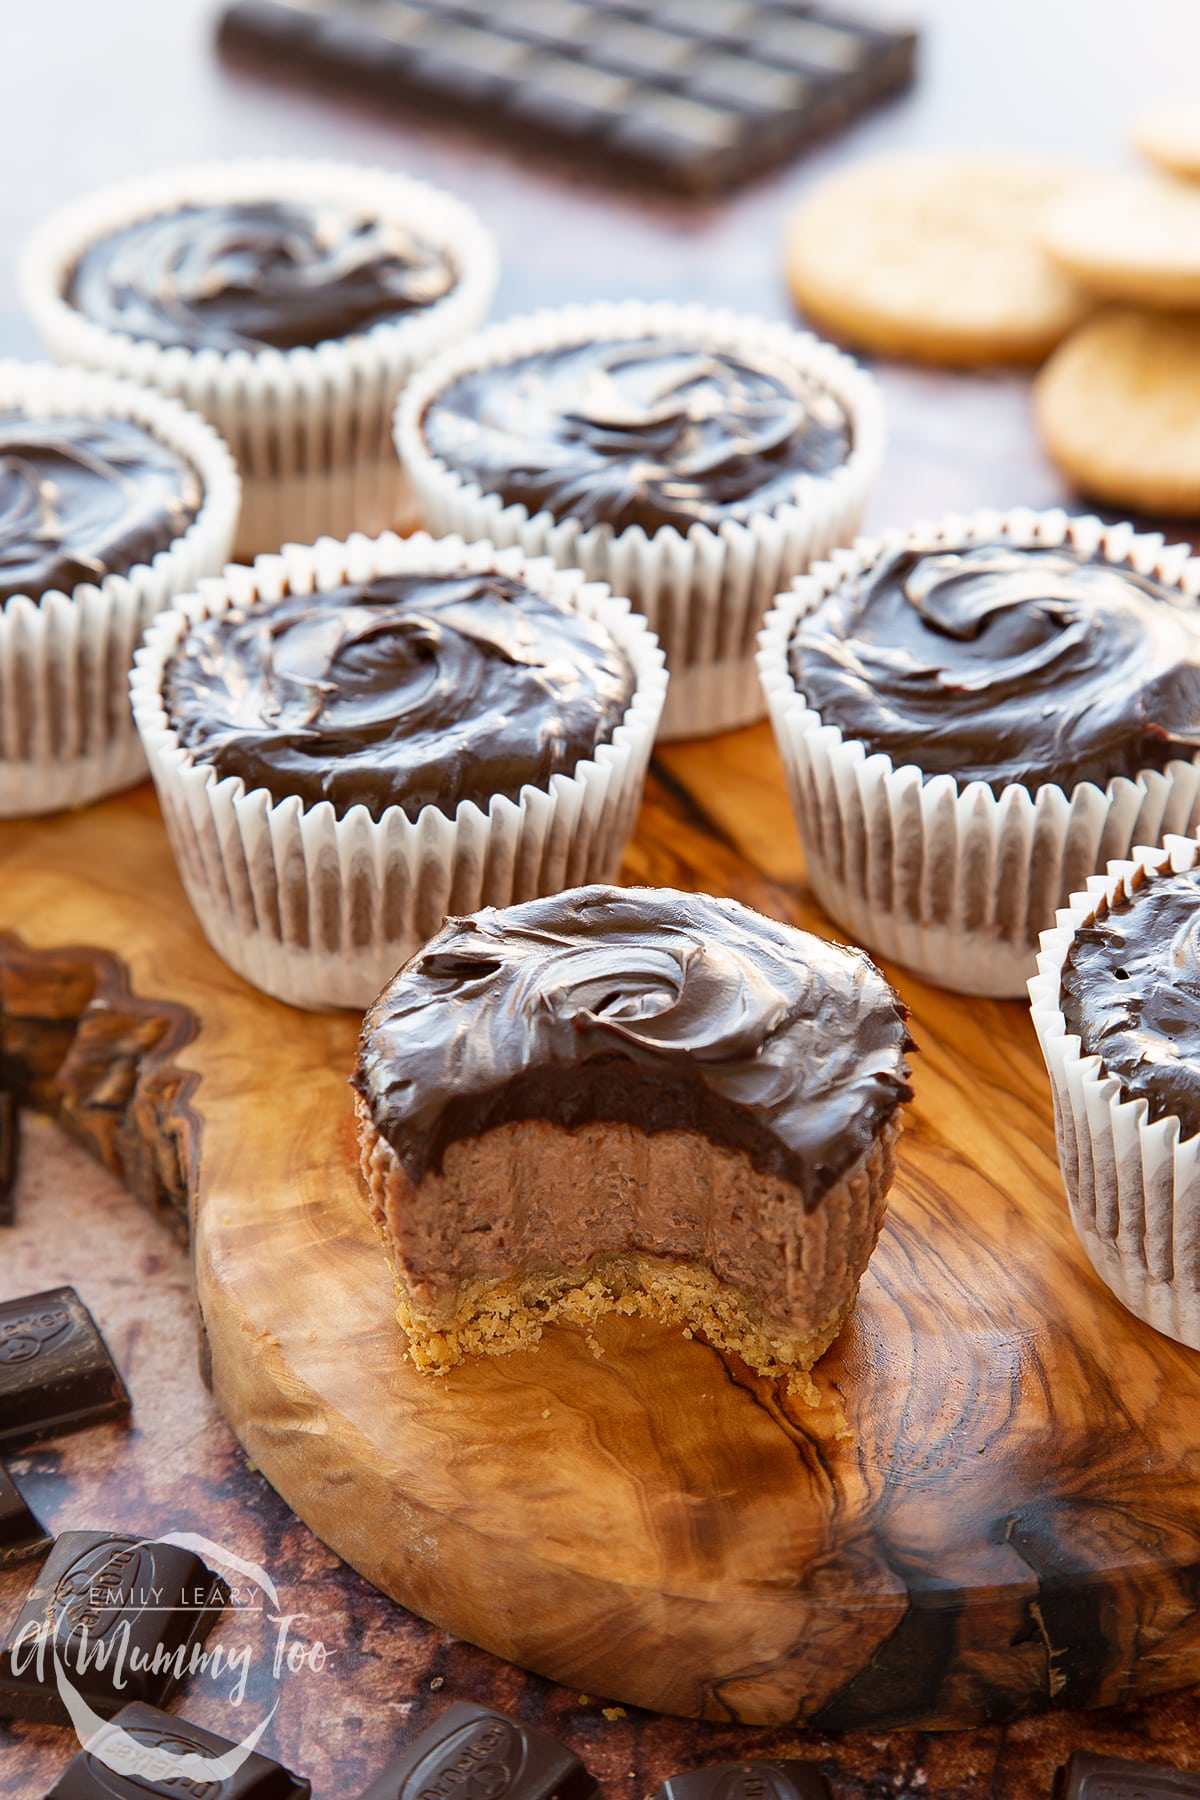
(994,1508)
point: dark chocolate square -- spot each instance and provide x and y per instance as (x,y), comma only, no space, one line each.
(474,1753)
(9,1140)
(56,1373)
(747,86)
(573,97)
(550,22)
(21,1536)
(102,1603)
(1087,1776)
(783,1780)
(128,1761)
(643,51)
(702,142)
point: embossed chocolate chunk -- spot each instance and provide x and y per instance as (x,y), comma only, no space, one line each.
(10,1128)
(473,1753)
(784,1780)
(21,1536)
(1087,1776)
(122,1618)
(56,1372)
(142,1752)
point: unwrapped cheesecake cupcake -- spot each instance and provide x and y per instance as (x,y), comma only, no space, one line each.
(636,1101)
(287,301)
(973,717)
(694,460)
(112,501)
(1116,1004)
(352,740)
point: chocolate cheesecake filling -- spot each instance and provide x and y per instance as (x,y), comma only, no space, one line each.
(409,690)
(1131,994)
(255,275)
(643,1006)
(649,432)
(84,498)
(1001,664)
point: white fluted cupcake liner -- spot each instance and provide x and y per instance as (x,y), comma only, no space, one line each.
(321,911)
(1133,1186)
(310,428)
(958,884)
(705,592)
(66,730)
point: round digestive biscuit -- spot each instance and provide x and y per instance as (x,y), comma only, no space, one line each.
(1134,238)
(1169,135)
(935,255)
(1119,409)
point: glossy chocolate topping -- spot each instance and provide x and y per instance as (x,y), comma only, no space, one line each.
(252,275)
(664,1010)
(648,432)
(84,498)
(1131,994)
(410,690)
(1006,665)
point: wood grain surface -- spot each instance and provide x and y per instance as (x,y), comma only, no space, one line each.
(995,1508)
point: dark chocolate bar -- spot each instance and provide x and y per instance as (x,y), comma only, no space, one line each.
(9,1138)
(1087,1776)
(56,1373)
(783,1780)
(124,1618)
(134,1757)
(696,94)
(21,1536)
(475,1753)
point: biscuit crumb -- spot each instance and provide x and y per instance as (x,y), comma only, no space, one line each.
(613,1712)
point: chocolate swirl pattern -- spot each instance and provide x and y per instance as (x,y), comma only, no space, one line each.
(1004,664)
(664,1010)
(84,498)
(647,432)
(1131,994)
(253,275)
(410,691)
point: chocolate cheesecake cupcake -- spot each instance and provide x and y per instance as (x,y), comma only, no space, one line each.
(287,301)
(350,742)
(111,502)
(973,718)
(692,459)
(636,1101)
(1115,1006)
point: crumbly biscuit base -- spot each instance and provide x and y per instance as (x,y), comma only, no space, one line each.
(493,1314)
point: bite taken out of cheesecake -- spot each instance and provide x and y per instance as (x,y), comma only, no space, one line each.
(630,1100)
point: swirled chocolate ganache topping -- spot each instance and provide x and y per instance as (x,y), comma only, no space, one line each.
(649,432)
(1003,664)
(1131,994)
(663,1010)
(252,275)
(409,690)
(84,498)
